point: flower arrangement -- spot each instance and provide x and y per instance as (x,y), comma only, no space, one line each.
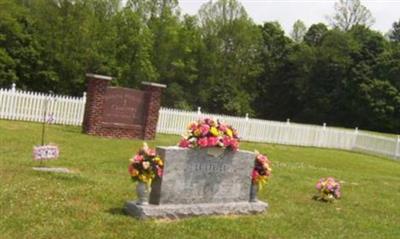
(210,133)
(262,170)
(45,152)
(328,189)
(145,165)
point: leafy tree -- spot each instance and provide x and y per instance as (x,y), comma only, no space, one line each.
(395,32)
(299,31)
(349,13)
(20,52)
(315,33)
(231,64)
(271,92)
(133,49)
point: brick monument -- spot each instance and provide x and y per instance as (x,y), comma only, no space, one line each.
(121,112)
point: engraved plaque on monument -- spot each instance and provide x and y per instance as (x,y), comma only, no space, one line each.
(124,106)
(121,112)
(196,182)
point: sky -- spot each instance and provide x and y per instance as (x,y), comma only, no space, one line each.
(286,12)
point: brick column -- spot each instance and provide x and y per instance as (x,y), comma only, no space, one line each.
(154,103)
(96,89)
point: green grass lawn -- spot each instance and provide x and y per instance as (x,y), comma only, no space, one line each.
(89,203)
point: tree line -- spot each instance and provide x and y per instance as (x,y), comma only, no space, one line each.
(344,74)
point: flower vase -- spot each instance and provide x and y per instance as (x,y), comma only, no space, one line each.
(253,192)
(142,193)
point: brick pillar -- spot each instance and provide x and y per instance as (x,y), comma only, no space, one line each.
(96,89)
(153,91)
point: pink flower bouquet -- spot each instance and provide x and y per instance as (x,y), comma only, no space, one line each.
(210,133)
(145,165)
(328,189)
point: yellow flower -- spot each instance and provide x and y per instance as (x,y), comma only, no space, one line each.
(214,131)
(142,178)
(229,132)
(158,161)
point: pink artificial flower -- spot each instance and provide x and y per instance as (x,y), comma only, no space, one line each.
(138,158)
(212,141)
(262,158)
(202,142)
(204,129)
(226,141)
(222,127)
(234,144)
(151,152)
(337,193)
(184,143)
(159,171)
(318,186)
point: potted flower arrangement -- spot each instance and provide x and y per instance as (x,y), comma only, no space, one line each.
(260,175)
(143,168)
(328,190)
(210,133)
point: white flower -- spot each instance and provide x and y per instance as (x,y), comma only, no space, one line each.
(145,165)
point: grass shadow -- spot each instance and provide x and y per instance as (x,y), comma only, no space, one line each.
(118,211)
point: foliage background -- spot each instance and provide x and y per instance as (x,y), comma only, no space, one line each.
(218,59)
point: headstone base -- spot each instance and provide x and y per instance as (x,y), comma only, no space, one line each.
(176,211)
(52,170)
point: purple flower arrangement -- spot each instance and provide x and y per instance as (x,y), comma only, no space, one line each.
(328,189)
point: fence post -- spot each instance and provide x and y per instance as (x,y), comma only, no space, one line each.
(82,108)
(246,133)
(355,138)
(397,150)
(12,113)
(287,121)
(199,110)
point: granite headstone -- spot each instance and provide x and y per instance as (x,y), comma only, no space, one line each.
(200,182)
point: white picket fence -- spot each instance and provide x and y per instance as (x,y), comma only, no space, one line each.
(29,106)
(173,121)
